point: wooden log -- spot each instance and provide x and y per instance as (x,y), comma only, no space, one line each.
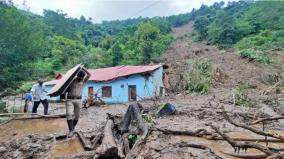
(11,114)
(273,135)
(60,136)
(244,139)
(33,116)
(96,140)
(133,113)
(237,146)
(198,146)
(108,148)
(80,155)
(198,133)
(42,117)
(266,119)
(126,145)
(246,156)
(188,144)
(137,147)
(120,149)
(276,156)
(86,144)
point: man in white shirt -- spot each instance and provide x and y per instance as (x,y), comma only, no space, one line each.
(39,96)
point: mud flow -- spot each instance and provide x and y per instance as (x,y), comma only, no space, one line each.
(66,147)
(21,128)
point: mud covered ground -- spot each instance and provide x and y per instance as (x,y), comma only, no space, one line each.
(36,138)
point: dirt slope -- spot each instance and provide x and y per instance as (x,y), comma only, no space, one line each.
(236,69)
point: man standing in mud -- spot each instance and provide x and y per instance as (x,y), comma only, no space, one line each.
(73,98)
(39,96)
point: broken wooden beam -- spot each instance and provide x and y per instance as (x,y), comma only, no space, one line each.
(96,140)
(86,144)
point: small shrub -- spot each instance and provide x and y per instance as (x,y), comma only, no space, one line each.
(200,77)
(257,56)
(196,37)
(240,98)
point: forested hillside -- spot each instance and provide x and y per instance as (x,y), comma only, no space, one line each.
(34,46)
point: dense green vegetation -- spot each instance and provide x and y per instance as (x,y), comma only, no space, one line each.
(33,46)
(253,28)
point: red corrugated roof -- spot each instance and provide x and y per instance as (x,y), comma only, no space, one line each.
(110,73)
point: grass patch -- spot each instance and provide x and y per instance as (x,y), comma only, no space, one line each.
(256,56)
(200,77)
(239,96)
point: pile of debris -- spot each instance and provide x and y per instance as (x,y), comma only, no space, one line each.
(31,146)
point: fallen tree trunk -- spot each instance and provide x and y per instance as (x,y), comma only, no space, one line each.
(245,139)
(273,135)
(246,156)
(237,146)
(108,148)
(133,114)
(198,133)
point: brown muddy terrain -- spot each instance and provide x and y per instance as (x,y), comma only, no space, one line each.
(36,138)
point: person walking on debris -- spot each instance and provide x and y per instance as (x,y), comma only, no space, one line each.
(73,98)
(39,96)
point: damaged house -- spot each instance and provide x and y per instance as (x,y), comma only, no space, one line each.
(122,83)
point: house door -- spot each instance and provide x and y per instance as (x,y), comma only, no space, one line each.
(132,96)
(90,94)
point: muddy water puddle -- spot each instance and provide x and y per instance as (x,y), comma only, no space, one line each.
(66,147)
(20,128)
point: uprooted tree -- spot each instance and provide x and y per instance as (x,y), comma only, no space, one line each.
(113,140)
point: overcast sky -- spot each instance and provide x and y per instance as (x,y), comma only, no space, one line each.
(100,10)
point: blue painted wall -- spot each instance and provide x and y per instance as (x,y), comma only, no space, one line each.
(146,87)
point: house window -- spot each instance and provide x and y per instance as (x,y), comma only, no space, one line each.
(106,91)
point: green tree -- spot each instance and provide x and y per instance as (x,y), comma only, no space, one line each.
(146,35)
(116,53)
(21,43)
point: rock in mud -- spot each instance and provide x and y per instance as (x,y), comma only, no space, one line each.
(2,149)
